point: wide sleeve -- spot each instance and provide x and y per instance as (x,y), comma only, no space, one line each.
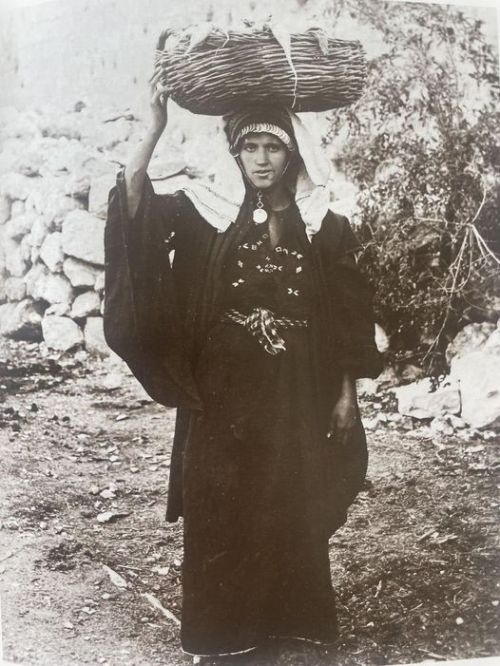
(351,299)
(142,321)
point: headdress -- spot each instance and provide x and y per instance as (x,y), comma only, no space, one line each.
(275,121)
(219,200)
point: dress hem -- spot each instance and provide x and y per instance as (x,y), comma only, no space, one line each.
(255,647)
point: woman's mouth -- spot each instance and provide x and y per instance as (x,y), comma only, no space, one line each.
(262,174)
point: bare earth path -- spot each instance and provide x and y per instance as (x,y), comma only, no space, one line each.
(415,568)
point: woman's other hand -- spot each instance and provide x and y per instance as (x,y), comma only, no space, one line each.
(158,102)
(345,414)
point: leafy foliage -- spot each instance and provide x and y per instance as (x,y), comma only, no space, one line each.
(423,147)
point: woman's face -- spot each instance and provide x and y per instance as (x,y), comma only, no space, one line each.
(264,158)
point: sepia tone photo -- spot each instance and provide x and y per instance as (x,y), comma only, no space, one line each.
(249,333)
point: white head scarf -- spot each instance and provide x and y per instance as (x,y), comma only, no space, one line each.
(219,201)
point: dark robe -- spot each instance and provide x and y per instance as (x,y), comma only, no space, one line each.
(158,317)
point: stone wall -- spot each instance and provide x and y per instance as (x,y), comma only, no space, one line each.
(55,175)
(56,170)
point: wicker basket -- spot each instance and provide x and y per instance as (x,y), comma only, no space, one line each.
(224,71)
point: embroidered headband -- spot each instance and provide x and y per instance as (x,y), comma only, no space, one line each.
(264,127)
(259,118)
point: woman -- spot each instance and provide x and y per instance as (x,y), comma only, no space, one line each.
(256,333)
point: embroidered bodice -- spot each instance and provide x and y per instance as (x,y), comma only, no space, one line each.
(278,278)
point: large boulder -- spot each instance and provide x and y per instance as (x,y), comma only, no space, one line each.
(107,135)
(38,232)
(96,165)
(20,225)
(492,344)
(99,283)
(56,289)
(57,207)
(21,320)
(15,186)
(61,333)
(35,280)
(98,195)
(83,237)
(59,309)
(15,260)
(51,252)
(15,288)
(80,273)
(477,373)
(85,304)
(471,338)
(47,197)
(94,337)
(29,162)
(78,185)
(92,170)
(422,400)
(62,156)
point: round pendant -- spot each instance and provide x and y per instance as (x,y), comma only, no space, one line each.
(259,215)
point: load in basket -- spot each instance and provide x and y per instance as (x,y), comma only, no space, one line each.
(211,71)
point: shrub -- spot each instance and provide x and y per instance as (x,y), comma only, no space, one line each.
(423,148)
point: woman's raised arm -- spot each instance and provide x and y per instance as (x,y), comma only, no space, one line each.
(136,168)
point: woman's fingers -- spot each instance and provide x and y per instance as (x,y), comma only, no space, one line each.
(340,434)
(160,89)
(156,75)
(331,435)
(160,94)
(157,84)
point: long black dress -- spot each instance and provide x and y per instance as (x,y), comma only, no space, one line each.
(260,486)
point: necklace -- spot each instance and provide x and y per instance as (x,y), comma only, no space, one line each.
(260,214)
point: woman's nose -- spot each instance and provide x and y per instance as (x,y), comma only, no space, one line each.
(261,156)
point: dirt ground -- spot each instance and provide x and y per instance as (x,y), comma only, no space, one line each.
(84,460)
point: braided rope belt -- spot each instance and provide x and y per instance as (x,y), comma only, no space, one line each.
(263,324)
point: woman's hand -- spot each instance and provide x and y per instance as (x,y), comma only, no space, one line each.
(158,103)
(136,167)
(345,414)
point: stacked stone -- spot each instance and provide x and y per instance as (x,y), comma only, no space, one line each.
(55,175)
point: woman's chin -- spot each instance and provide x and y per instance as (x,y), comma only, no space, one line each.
(262,183)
